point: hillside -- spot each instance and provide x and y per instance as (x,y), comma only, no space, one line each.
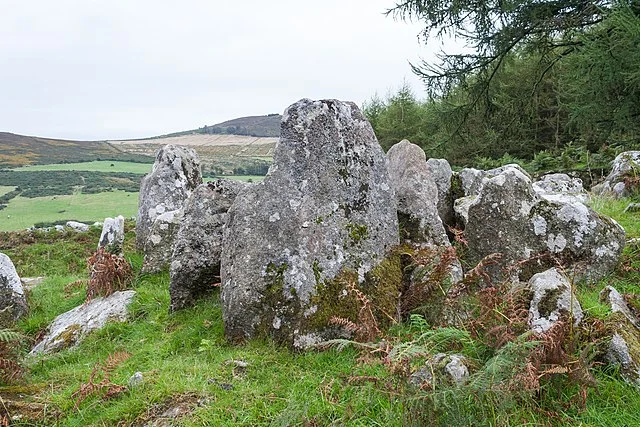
(20,150)
(258,126)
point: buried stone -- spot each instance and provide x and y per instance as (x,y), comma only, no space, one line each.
(325,209)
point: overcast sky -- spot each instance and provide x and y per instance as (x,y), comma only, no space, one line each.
(107,69)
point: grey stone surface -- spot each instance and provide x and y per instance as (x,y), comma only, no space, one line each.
(112,236)
(159,245)
(553,300)
(619,354)
(416,195)
(625,165)
(618,304)
(447,368)
(560,187)
(441,173)
(13,302)
(461,209)
(326,205)
(509,217)
(632,207)
(471,180)
(195,263)
(175,174)
(68,329)
(78,226)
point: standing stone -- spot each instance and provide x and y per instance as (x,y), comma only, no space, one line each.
(470,180)
(195,263)
(13,302)
(175,174)
(112,236)
(325,207)
(553,300)
(441,173)
(417,196)
(159,245)
(624,179)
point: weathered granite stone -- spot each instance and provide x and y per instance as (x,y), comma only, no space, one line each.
(13,302)
(461,208)
(159,245)
(441,173)
(326,206)
(622,181)
(78,226)
(509,217)
(619,353)
(70,328)
(560,187)
(553,300)
(195,263)
(112,236)
(417,196)
(471,180)
(175,174)
(442,368)
(618,304)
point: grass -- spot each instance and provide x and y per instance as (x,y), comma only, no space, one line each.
(185,357)
(4,189)
(95,166)
(22,213)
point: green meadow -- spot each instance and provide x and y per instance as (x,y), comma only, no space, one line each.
(22,212)
(95,166)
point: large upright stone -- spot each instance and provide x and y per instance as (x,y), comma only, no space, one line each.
(159,245)
(417,196)
(195,264)
(13,302)
(175,174)
(441,173)
(326,206)
(624,178)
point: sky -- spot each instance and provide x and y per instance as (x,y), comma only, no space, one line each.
(118,69)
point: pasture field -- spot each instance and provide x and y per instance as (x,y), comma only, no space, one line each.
(4,189)
(95,166)
(22,212)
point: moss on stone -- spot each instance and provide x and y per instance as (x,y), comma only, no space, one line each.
(357,232)
(69,336)
(549,302)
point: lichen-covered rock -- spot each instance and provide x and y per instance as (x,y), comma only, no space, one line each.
(625,353)
(175,174)
(13,302)
(159,245)
(618,304)
(68,329)
(325,208)
(560,187)
(461,209)
(112,236)
(195,263)
(623,180)
(509,217)
(441,368)
(80,227)
(441,173)
(417,196)
(553,300)
(471,180)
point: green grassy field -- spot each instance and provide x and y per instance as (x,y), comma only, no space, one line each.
(95,166)
(5,189)
(22,213)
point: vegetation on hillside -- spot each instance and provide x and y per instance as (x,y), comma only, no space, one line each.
(258,126)
(551,75)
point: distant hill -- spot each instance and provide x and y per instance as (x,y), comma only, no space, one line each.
(225,145)
(20,150)
(258,126)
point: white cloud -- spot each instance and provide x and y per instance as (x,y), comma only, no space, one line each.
(87,69)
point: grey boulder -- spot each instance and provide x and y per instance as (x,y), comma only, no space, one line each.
(159,245)
(622,180)
(560,187)
(195,263)
(325,206)
(112,235)
(175,174)
(68,329)
(441,173)
(13,302)
(553,300)
(416,195)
